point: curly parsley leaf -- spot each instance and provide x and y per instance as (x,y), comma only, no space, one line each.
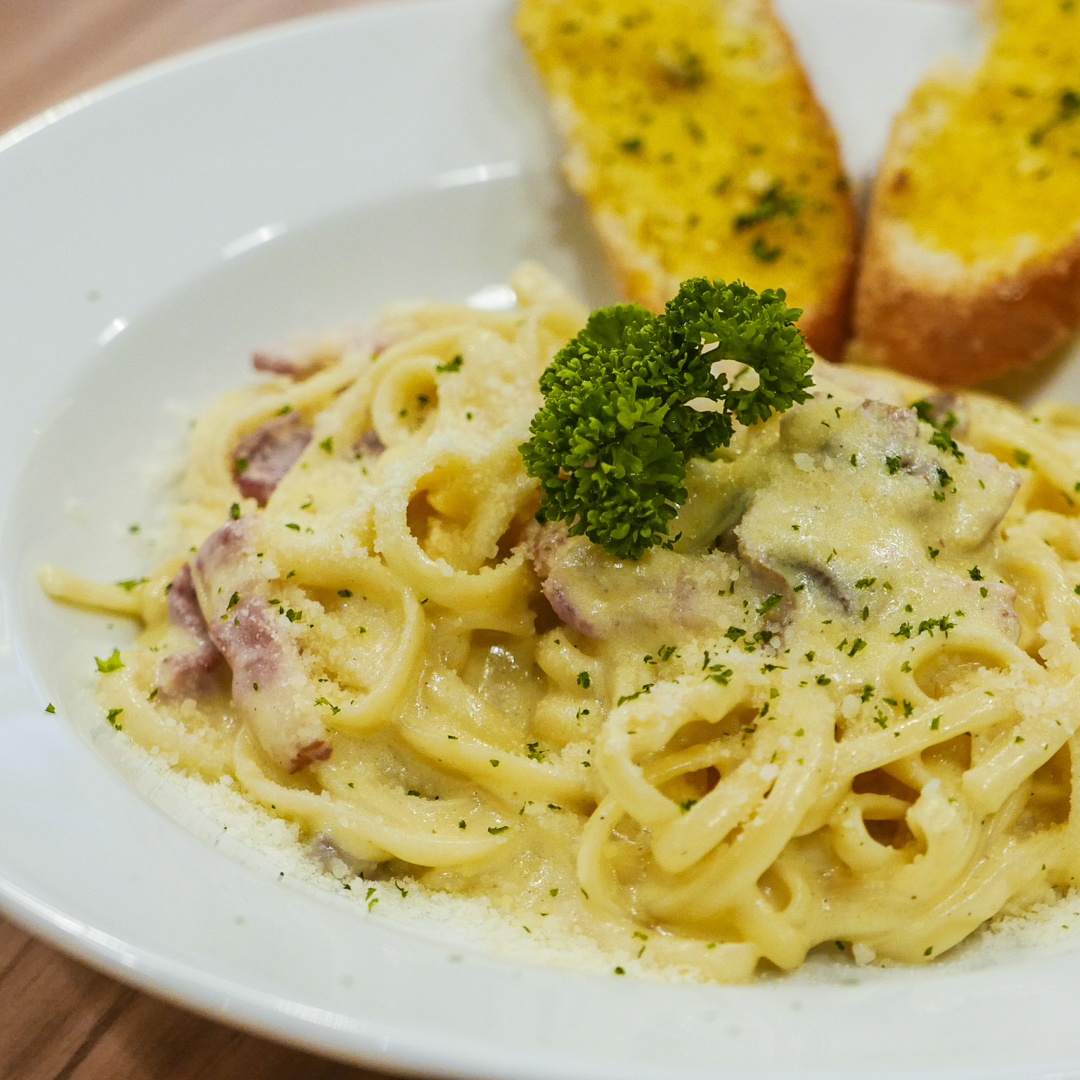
(611,442)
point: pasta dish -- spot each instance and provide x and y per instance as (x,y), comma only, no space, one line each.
(838,704)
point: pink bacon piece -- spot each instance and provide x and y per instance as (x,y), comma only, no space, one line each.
(262,458)
(282,363)
(546,544)
(600,596)
(369,444)
(269,684)
(191,673)
(302,359)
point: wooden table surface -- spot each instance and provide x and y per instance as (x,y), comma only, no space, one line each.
(60,1020)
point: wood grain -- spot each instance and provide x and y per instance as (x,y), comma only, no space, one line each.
(53,49)
(60,1020)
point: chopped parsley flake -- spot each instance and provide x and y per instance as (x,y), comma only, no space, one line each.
(944,624)
(771,203)
(636,694)
(113,663)
(769,603)
(451,365)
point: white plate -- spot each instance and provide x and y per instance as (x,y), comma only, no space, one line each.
(150,235)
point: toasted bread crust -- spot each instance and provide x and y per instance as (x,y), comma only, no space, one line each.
(959,338)
(971,265)
(826,325)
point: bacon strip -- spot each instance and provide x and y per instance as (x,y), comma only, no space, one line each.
(261,459)
(278,363)
(269,684)
(191,673)
(546,544)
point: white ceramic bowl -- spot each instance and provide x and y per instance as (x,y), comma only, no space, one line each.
(151,234)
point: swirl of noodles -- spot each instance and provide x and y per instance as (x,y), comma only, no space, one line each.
(783,730)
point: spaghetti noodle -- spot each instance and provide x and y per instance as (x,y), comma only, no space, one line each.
(842,705)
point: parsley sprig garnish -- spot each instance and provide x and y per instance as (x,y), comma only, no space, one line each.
(611,442)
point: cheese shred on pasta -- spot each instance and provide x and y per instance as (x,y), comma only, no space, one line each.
(841,706)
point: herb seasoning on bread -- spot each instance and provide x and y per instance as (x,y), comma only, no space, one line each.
(972,258)
(693,135)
